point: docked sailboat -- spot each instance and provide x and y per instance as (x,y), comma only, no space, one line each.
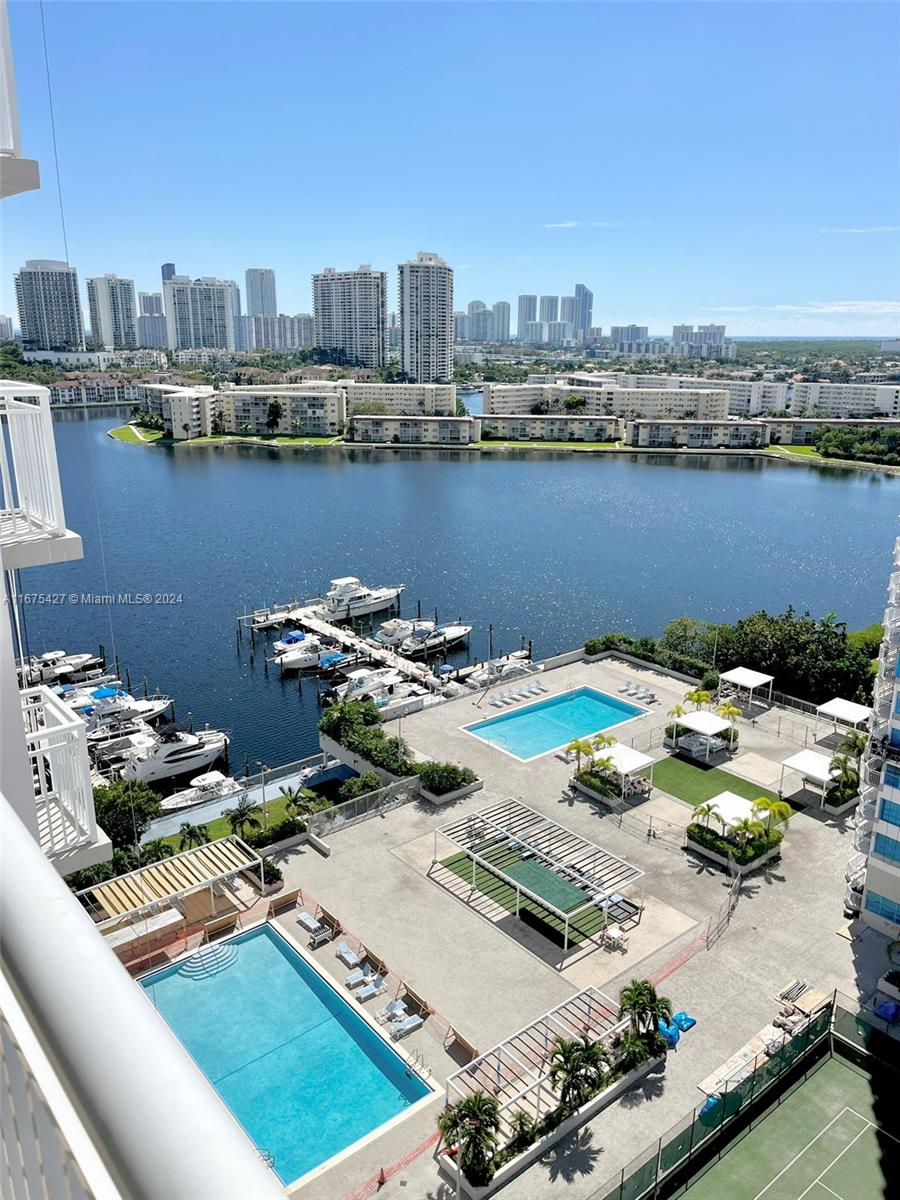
(424,642)
(174,752)
(391,633)
(347,598)
(213,785)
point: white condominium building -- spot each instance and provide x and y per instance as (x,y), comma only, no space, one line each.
(426,318)
(873,871)
(747,398)
(606,400)
(201,313)
(49,308)
(847,399)
(260,292)
(407,398)
(411,431)
(801,431)
(281,333)
(551,428)
(527,311)
(186,412)
(112,312)
(500,312)
(6,329)
(316,409)
(350,313)
(549,309)
(697,434)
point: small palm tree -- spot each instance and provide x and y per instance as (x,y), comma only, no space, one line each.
(603,740)
(729,712)
(777,812)
(576,1070)
(631,1051)
(242,817)
(746,829)
(853,744)
(472,1126)
(604,765)
(698,697)
(579,747)
(192,835)
(154,850)
(644,1008)
(704,813)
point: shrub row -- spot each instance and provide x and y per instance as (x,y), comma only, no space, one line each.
(722,844)
(599,784)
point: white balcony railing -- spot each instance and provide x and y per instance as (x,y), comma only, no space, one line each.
(56,741)
(32,505)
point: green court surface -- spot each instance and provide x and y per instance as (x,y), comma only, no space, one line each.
(821,1143)
(546,884)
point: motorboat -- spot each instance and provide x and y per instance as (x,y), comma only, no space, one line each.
(293,638)
(57,665)
(120,742)
(213,785)
(433,641)
(111,701)
(303,654)
(391,633)
(347,598)
(174,752)
(369,682)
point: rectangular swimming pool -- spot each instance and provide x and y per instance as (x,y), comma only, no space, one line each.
(536,729)
(303,1072)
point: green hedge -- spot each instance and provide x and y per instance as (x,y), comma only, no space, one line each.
(599,784)
(280,831)
(439,778)
(720,844)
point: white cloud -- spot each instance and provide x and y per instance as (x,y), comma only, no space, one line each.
(863,229)
(856,308)
(563,224)
(588,224)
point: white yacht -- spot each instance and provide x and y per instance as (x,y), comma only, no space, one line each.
(348,598)
(292,638)
(57,664)
(391,633)
(174,753)
(302,654)
(369,682)
(211,786)
(110,701)
(424,642)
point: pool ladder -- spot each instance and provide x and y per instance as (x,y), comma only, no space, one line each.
(416,1065)
(267,1156)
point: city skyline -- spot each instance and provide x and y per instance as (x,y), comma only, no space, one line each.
(800,247)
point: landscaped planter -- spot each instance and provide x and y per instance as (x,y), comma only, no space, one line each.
(449,797)
(723,861)
(284,844)
(889,989)
(447,1163)
(356,761)
(840,809)
(609,801)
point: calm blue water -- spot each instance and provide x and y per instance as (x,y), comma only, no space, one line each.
(534,730)
(304,1075)
(552,547)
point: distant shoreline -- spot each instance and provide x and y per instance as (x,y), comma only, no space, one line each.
(499,448)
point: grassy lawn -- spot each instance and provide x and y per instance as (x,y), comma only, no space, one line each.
(307,441)
(490,445)
(220,828)
(125,433)
(806,451)
(696,785)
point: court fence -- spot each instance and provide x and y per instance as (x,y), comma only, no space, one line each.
(361,808)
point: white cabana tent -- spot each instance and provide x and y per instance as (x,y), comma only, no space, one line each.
(704,730)
(810,766)
(848,712)
(748,681)
(627,761)
(732,808)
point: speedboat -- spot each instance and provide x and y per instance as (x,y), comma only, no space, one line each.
(57,664)
(111,701)
(392,633)
(291,639)
(211,786)
(174,752)
(369,682)
(424,642)
(348,598)
(303,654)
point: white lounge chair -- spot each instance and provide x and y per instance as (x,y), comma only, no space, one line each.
(348,956)
(395,1011)
(542,687)
(400,1029)
(373,988)
(360,976)
(308,921)
(496,702)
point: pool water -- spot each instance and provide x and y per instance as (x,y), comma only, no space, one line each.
(304,1074)
(550,724)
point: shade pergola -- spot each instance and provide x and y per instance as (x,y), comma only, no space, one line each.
(748,681)
(809,765)
(516,1072)
(732,808)
(848,712)
(551,866)
(627,761)
(705,725)
(157,883)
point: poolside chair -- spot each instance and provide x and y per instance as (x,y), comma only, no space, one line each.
(360,976)
(348,956)
(400,1029)
(308,921)
(542,687)
(395,1011)
(496,702)
(626,687)
(535,689)
(374,988)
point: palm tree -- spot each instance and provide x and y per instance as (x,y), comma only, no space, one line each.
(631,1051)
(579,747)
(192,835)
(577,1069)
(778,812)
(746,829)
(242,817)
(605,766)
(154,850)
(704,813)
(603,740)
(729,712)
(853,744)
(472,1126)
(676,711)
(644,1008)
(698,697)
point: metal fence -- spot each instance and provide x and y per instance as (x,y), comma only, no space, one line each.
(682,1143)
(373,804)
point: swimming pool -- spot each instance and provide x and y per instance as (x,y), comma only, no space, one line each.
(303,1072)
(529,732)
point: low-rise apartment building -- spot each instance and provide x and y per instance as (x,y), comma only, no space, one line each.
(220,359)
(606,399)
(801,431)
(411,431)
(185,412)
(97,390)
(847,399)
(314,409)
(529,428)
(697,434)
(746,397)
(412,399)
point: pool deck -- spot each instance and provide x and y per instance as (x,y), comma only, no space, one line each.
(487,975)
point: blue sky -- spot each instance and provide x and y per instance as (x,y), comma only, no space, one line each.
(688,162)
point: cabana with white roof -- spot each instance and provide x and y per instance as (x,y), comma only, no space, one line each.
(811,767)
(731,808)
(848,712)
(748,681)
(627,761)
(703,738)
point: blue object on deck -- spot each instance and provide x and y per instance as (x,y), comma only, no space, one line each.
(332,660)
(103,693)
(290,639)
(684,1021)
(709,1106)
(670,1033)
(888,1010)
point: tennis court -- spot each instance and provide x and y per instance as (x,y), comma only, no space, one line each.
(821,1143)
